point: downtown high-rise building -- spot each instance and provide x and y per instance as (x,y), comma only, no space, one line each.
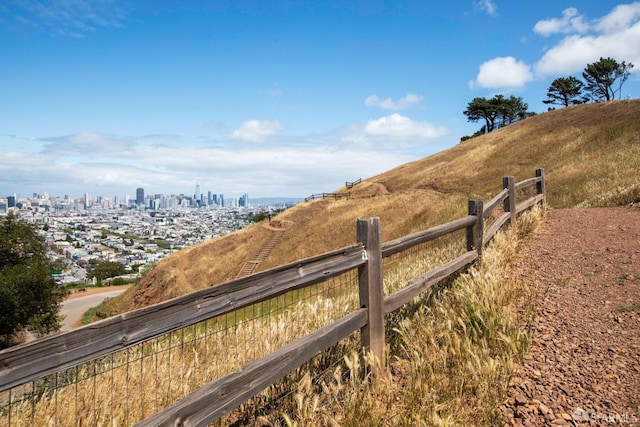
(140,196)
(244,200)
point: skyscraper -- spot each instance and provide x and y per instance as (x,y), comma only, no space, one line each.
(244,200)
(140,196)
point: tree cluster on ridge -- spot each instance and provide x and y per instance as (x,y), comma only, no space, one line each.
(599,85)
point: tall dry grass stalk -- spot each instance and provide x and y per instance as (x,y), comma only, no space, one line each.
(453,357)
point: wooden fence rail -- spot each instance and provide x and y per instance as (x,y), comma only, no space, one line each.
(48,355)
(351,184)
(334,196)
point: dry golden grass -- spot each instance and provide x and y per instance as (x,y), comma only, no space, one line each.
(590,155)
(450,360)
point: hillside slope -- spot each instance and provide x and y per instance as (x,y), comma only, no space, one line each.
(590,154)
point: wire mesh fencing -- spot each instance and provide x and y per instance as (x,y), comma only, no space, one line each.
(130,385)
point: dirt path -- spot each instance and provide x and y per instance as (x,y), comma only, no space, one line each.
(583,367)
(95,290)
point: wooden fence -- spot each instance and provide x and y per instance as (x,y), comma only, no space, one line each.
(334,196)
(28,362)
(351,184)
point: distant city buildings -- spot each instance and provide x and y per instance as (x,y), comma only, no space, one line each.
(140,196)
(44,202)
(86,230)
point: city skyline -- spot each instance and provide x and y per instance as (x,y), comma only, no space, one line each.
(277,99)
(207,198)
(139,195)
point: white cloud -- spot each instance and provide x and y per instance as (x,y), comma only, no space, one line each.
(288,166)
(90,144)
(615,35)
(410,100)
(393,130)
(284,170)
(260,170)
(623,16)
(488,6)
(504,72)
(256,130)
(570,22)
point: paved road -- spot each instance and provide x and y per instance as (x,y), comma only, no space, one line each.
(73,309)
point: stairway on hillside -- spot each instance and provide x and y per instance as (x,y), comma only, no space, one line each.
(249,267)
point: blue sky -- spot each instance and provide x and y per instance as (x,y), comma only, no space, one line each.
(273,98)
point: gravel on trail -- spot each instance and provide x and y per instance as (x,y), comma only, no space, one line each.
(583,366)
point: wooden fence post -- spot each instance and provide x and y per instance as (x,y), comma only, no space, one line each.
(371,289)
(474,233)
(509,183)
(541,187)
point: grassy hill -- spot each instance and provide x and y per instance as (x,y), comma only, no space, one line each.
(590,154)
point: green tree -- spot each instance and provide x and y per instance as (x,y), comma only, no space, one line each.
(108,269)
(29,297)
(497,111)
(511,109)
(601,76)
(482,109)
(565,91)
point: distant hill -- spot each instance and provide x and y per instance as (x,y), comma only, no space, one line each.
(590,153)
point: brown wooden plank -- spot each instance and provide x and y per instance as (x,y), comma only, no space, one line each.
(403,243)
(56,352)
(510,203)
(421,283)
(495,202)
(541,186)
(474,232)
(370,286)
(529,203)
(497,225)
(527,183)
(220,396)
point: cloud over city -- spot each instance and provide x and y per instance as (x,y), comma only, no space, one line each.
(256,130)
(287,166)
